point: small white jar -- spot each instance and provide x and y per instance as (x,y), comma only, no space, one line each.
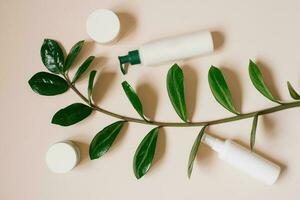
(103,26)
(62,157)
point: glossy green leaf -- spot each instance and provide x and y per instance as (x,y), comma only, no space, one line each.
(194,151)
(293,92)
(85,65)
(175,87)
(52,56)
(91,85)
(258,81)
(72,55)
(253,131)
(71,114)
(104,139)
(48,84)
(144,154)
(134,99)
(220,89)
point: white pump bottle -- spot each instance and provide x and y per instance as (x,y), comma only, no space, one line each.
(169,49)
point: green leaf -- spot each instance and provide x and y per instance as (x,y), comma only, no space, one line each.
(73,54)
(71,114)
(293,92)
(253,131)
(48,84)
(91,85)
(52,56)
(83,68)
(220,89)
(258,81)
(194,151)
(175,87)
(145,153)
(134,99)
(104,140)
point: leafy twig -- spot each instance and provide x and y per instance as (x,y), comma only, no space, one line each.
(273,109)
(48,84)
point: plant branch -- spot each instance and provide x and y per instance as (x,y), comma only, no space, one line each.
(282,106)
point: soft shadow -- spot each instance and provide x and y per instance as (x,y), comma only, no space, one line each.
(128,24)
(204,155)
(268,124)
(97,62)
(191,81)
(85,52)
(160,148)
(103,83)
(84,153)
(234,84)
(149,97)
(268,77)
(218,39)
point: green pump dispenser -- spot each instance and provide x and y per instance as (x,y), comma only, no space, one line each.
(132,58)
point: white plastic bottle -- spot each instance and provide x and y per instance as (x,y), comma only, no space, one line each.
(169,49)
(243,159)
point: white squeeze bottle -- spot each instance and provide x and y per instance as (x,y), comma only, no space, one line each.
(244,160)
(169,49)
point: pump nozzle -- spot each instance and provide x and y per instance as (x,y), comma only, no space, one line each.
(132,58)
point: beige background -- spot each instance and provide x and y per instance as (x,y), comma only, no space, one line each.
(267,31)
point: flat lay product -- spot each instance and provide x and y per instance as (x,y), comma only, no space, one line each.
(169,49)
(62,156)
(103,26)
(244,160)
(58,82)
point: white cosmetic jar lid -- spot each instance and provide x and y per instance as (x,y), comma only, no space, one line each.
(62,157)
(103,26)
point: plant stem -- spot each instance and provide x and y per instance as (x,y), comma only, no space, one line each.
(282,106)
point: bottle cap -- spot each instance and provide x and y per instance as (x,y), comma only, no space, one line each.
(103,26)
(62,157)
(132,58)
